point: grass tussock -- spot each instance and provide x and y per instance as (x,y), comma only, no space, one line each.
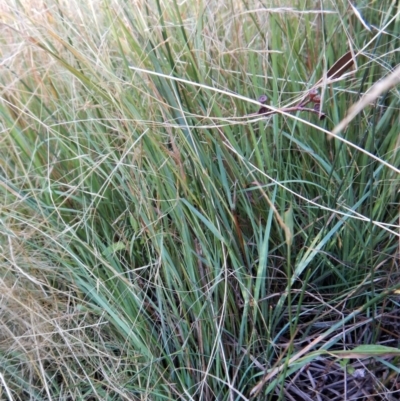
(160,239)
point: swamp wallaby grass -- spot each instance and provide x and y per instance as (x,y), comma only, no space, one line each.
(199,200)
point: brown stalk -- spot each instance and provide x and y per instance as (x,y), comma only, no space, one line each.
(336,71)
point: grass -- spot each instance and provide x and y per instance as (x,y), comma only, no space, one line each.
(160,240)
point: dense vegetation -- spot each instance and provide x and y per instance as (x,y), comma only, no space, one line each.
(164,236)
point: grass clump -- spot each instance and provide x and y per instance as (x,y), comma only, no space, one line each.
(160,239)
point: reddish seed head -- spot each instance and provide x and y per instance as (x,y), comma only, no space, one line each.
(313,95)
